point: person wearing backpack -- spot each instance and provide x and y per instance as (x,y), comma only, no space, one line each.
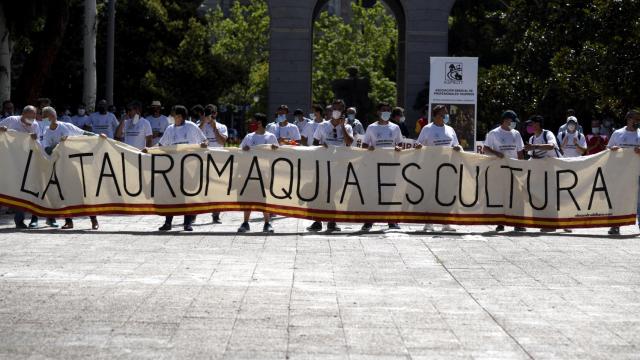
(572,142)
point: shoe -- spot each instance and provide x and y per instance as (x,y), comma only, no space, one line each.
(427,227)
(52,223)
(67,225)
(33,224)
(394,226)
(188,228)
(244,227)
(165,227)
(21,225)
(448,228)
(366,227)
(333,227)
(499,228)
(316,226)
(216,218)
(614,231)
(547,230)
(519,229)
(95,225)
(267,228)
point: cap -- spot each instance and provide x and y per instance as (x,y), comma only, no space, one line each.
(572,119)
(298,112)
(283,107)
(156,103)
(510,114)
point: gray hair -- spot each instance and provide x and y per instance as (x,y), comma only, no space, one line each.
(29,108)
(49,110)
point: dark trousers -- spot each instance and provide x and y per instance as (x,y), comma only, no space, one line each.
(188,220)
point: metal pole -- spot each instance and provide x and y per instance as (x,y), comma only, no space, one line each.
(111,30)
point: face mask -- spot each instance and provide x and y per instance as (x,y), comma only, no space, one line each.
(28,121)
(447,119)
(136,118)
(512,126)
(281,118)
(596,131)
(298,118)
(351,117)
(571,128)
(385,115)
(312,116)
(336,114)
(45,123)
(81,112)
(531,129)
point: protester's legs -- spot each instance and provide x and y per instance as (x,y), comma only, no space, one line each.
(34,221)
(244,227)
(267,225)
(18,217)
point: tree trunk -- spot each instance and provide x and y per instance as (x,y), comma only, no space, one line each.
(6,47)
(45,50)
(90,33)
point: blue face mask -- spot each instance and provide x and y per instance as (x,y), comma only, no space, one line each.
(446,119)
(281,118)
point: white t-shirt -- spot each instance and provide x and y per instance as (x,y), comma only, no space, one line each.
(539,140)
(159,125)
(288,132)
(328,134)
(383,136)
(302,125)
(14,123)
(433,135)
(104,124)
(570,149)
(624,139)
(80,121)
(52,137)
(508,142)
(187,133)
(136,134)
(211,135)
(310,131)
(254,139)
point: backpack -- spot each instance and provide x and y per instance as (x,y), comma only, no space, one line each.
(559,152)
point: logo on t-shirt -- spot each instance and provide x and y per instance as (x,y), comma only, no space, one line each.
(454,73)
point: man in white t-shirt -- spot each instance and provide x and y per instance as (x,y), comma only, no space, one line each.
(217,136)
(134,129)
(25,123)
(81,119)
(159,123)
(260,137)
(572,142)
(181,132)
(102,121)
(300,121)
(309,131)
(57,132)
(506,142)
(335,133)
(385,135)
(285,132)
(627,138)
(439,133)
(570,118)
(358,128)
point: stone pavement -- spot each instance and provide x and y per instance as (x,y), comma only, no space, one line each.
(128,292)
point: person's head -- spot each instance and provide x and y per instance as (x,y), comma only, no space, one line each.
(595,126)
(317,112)
(211,111)
(283,110)
(337,109)
(572,124)
(180,114)
(81,110)
(197,112)
(384,111)
(7,108)
(101,106)
(261,120)
(298,114)
(397,115)
(509,120)
(28,114)
(50,113)
(633,118)
(156,107)
(438,114)
(535,124)
(134,108)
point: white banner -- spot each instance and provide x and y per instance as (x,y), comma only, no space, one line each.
(92,176)
(454,83)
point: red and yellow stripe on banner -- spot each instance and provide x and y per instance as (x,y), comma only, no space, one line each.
(321,215)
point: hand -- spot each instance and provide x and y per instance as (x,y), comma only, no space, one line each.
(418,146)
(64,138)
(457,148)
(246,148)
(575,141)
(564,141)
(34,136)
(398,148)
(204,144)
(528,147)
(145,150)
(274,147)
(103,136)
(3,128)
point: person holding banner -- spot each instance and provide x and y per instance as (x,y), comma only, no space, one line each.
(335,133)
(24,123)
(627,138)
(135,130)
(182,132)
(506,141)
(285,132)
(102,121)
(385,135)
(439,133)
(217,134)
(260,137)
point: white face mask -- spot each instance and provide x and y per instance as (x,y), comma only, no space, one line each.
(281,118)
(595,130)
(571,128)
(28,121)
(447,119)
(136,119)
(312,116)
(351,117)
(336,114)
(402,119)
(512,125)
(81,112)
(385,115)
(45,123)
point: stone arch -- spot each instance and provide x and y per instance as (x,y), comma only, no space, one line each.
(422,24)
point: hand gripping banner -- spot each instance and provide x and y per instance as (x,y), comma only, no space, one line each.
(93,176)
